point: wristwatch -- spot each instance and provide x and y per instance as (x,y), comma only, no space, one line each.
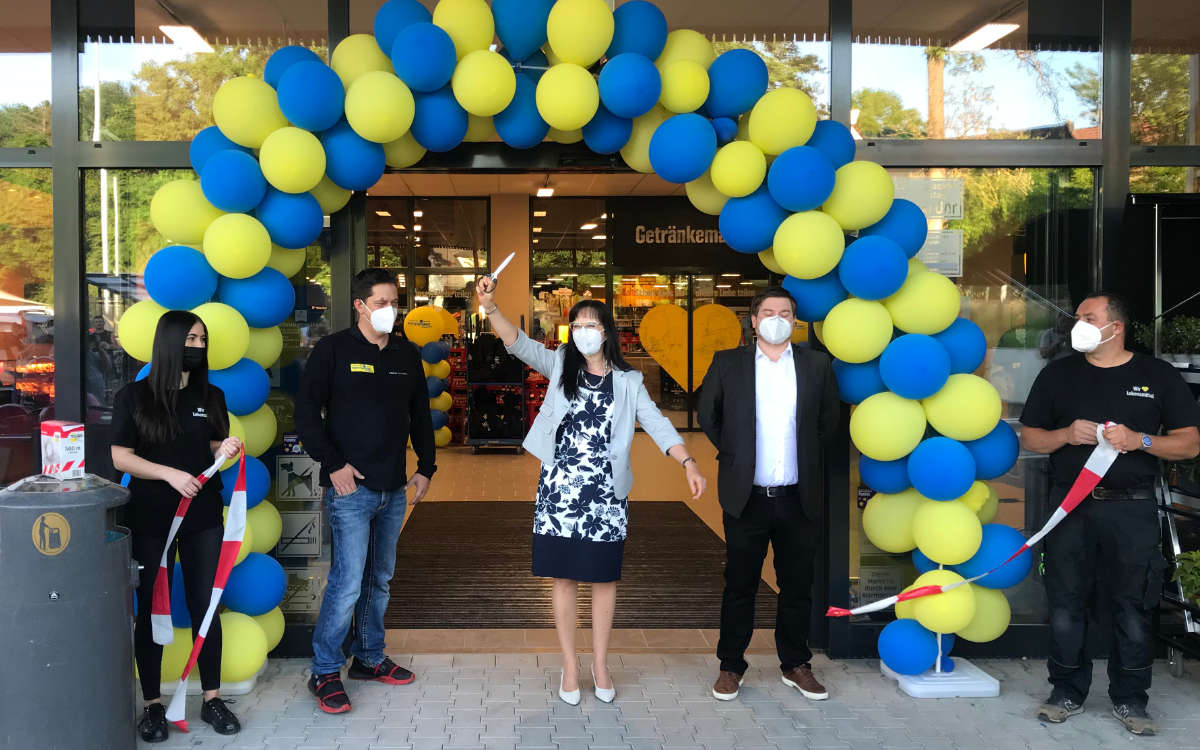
(1147,443)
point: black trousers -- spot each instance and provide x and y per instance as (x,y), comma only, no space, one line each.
(781,521)
(1106,550)
(198,555)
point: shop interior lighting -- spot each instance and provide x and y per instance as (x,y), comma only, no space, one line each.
(536,240)
(599,236)
(545,191)
(588,226)
(983,37)
(538,214)
(418,213)
(416,227)
(723,286)
(537,229)
(186,38)
(398,226)
(704,278)
(730,275)
(383,213)
(603,217)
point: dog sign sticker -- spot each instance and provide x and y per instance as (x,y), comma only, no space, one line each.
(297,477)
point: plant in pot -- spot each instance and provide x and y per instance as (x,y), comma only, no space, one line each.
(1189,338)
(1187,573)
(1143,335)
(1172,341)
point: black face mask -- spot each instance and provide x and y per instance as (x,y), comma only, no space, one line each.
(193,357)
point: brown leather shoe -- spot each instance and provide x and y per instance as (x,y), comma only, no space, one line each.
(727,686)
(802,679)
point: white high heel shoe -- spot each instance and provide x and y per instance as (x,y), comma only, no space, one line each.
(571,698)
(607,695)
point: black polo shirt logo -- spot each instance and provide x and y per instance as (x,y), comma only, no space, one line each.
(361,367)
(1141,391)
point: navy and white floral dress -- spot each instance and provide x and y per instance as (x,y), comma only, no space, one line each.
(579,522)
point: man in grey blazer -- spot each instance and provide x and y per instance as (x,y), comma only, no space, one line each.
(768,408)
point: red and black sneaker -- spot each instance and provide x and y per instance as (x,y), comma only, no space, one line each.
(387,672)
(330,693)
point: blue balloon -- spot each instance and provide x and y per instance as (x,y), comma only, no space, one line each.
(914,366)
(180,616)
(906,647)
(607,133)
(999,543)
(521,25)
(208,142)
(255,585)
(520,125)
(246,386)
(815,297)
(284,58)
(179,278)
(736,80)
(258,481)
(996,452)
(801,178)
(423,56)
(888,477)
(638,27)
(873,268)
(630,85)
(835,141)
(311,96)
(265,299)
(904,224)
(941,469)
(966,343)
(294,220)
(394,16)
(682,148)
(748,224)
(531,67)
(857,381)
(440,419)
(435,386)
(232,181)
(434,352)
(922,563)
(351,161)
(947,662)
(726,128)
(440,123)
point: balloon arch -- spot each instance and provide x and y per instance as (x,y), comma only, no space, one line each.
(290,147)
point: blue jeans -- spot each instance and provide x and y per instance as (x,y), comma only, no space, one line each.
(366,526)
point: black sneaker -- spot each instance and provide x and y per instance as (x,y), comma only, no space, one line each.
(153,724)
(330,693)
(1135,719)
(386,671)
(1058,709)
(215,712)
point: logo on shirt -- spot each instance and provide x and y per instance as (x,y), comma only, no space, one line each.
(359,367)
(199,412)
(1141,391)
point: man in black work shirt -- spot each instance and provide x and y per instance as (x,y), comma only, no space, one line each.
(1110,544)
(371,387)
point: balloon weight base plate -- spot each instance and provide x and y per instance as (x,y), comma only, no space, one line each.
(966,681)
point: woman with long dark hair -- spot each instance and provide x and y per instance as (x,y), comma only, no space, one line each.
(583,436)
(166,430)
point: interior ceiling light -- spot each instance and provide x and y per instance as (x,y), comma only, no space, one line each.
(186,38)
(398,226)
(418,213)
(537,229)
(535,240)
(588,226)
(383,213)
(538,214)
(416,227)
(983,37)
(730,275)
(545,191)
(599,236)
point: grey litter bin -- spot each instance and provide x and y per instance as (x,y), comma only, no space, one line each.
(65,594)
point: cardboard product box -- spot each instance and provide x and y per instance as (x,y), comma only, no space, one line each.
(62,449)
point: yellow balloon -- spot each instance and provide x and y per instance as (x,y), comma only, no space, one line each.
(423,324)
(738,168)
(237,245)
(427,368)
(235,430)
(991,506)
(580,30)
(947,532)
(379,106)
(564,136)
(441,437)
(817,326)
(904,609)
(966,408)
(479,129)
(358,54)
(927,303)
(442,402)
(886,427)
(175,654)
(287,262)
(705,196)
(260,430)
(992,615)
(441,370)
(243,647)
(855,330)
(468,22)
(403,152)
(228,334)
(567,97)
(246,111)
(484,83)
(181,213)
(686,44)
(264,345)
(247,539)
(331,196)
(292,160)
(272,624)
(976,496)
(136,328)
(888,520)
(767,258)
(782,118)
(449,323)
(264,518)
(948,612)
(684,85)
(810,244)
(915,267)
(636,151)
(862,194)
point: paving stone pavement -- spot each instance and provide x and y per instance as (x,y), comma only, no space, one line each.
(509,702)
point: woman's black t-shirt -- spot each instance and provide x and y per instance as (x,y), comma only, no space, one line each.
(153,501)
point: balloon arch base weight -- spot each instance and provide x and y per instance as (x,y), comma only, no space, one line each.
(966,681)
(227,688)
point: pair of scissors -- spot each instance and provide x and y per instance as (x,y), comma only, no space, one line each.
(494,274)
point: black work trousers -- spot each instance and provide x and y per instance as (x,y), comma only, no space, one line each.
(1106,550)
(782,522)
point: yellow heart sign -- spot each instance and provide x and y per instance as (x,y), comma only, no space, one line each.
(664,335)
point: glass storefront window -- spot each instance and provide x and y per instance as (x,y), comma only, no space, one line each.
(663,361)
(1032,73)
(552,295)
(1163,73)
(568,233)
(25,70)
(1164,180)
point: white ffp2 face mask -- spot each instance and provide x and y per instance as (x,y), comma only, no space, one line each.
(775,330)
(1085,337)
(383,319)
(587,340)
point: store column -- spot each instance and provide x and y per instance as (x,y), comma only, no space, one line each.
(510,233)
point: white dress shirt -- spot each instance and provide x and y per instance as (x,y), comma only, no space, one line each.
(774,419)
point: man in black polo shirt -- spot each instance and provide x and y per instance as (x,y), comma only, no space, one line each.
(1110,544)
(362,397)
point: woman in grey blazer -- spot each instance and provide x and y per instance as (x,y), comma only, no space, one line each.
(583,435)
